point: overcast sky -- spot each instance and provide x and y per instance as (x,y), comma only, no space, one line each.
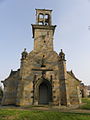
(72,18)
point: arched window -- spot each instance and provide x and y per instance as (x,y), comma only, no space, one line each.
(41,15)
(46,16)
(41,18)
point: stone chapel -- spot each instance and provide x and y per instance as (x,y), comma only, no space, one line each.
(42,78)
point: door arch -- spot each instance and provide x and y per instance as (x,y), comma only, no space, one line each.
(45,93)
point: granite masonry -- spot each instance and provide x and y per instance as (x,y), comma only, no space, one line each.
(42,78)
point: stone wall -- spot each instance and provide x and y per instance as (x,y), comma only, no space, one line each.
(10,88)
(34,61)
(74,89)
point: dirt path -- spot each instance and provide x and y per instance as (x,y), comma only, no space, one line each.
(49,108)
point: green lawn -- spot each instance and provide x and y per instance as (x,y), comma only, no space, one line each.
(22,114)
(87,103)
(14,114)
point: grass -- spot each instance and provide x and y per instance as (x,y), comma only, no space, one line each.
(87,103)
(24,114)
(14,114)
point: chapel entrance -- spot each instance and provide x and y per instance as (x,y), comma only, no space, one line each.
(44,93)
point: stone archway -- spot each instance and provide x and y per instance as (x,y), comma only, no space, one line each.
(44,97)
(43,92)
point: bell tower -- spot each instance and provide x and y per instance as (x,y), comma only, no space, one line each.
(43,17)
(43,30)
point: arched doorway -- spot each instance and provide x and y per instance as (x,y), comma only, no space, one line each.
(44,93)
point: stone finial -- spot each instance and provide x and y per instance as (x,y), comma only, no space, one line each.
(61,50)
(24,49)
(62,55)
(24,54)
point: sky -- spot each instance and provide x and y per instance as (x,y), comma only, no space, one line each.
(72,18)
